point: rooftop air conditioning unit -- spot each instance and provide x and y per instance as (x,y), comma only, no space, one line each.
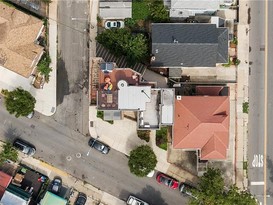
(178,97)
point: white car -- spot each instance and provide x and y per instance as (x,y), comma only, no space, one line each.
(114,24)
(132,200)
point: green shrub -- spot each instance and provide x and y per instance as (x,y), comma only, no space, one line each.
(130,22)
(8,153)
(144,134)
(100,114)
(245,107)
(43,66)
(161,138)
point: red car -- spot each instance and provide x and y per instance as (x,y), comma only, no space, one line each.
(167,181)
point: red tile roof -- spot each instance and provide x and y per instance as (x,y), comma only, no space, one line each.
(202,122)
(5,179)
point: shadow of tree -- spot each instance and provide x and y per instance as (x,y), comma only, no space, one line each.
(148,194)
(152,196)
(62,81)
(11,134)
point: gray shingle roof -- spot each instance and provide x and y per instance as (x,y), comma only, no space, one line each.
(189,45)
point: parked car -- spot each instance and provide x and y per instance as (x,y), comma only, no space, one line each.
(114,24)
(151,174)
(132,200)
(186,189)
(167,181)
(81,199)
(99,146)
(56,185)
(24,147)
(30,115)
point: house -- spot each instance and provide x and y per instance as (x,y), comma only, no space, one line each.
(19,35)
(15,196)
(201,123)
(191,8)
(176,45)
(122,89)
(52,199)
(114,9)
(5,180)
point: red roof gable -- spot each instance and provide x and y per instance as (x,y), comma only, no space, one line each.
(5,179)
(202,122)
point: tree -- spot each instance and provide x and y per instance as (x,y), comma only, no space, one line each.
(121,42)
(19,102)
(158,12)
(142,161)
(211,190)
(8,152)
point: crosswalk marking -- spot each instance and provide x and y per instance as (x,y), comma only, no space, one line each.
(257,183)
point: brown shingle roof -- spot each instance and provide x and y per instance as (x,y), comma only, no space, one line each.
(202,122)
(18,31)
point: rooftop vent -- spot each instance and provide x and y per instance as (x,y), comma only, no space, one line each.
(178,97)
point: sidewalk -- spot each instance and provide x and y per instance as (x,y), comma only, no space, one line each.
(241,97)
(46,97)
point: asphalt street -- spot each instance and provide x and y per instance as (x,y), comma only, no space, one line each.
(72,65)
(58,145)
(260,130)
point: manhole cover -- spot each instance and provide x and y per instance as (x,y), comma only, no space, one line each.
(68,158)
(78,155)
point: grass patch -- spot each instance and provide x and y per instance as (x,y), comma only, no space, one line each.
(100,114)
(245,107)
(7,3)
(140,9)
(144,134)
(245,165)
(161,138)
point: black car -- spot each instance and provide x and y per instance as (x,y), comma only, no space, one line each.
(186,189)
(24,147)
(98,145)
(56,185)
(81,199)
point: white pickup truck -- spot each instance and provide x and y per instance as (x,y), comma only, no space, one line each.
(132,200)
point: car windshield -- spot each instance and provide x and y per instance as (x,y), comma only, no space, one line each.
(98,146)
(108,24)
(118,24)
(166,181)
(114,24)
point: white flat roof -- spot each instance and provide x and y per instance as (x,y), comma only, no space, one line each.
(167,108)
(11,199)
(115,10)
(134,97)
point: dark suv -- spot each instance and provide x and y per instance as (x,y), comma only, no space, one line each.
(24,147)
(186,189)
(99,146)
(81,199)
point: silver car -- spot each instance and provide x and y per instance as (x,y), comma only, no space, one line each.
(24,147)
(132,200)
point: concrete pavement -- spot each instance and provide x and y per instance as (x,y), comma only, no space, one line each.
(241,97)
